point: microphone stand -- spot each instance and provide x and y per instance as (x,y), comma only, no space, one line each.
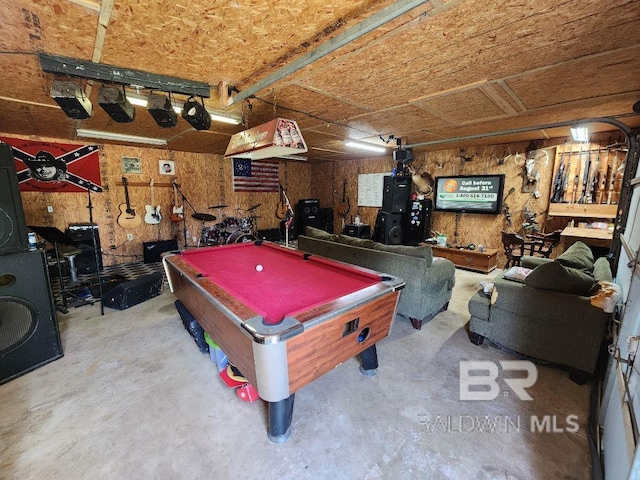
(288,218)
(184,217)
(95,250)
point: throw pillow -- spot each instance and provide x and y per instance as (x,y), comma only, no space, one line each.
(317,233)
(424,251)
(578,256)
(355,241)
(557,277)
(517,274)
(602,270)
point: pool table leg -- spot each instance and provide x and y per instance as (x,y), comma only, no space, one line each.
(280,415)
(369,359)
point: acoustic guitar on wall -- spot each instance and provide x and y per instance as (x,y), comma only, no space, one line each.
(128,217)
(152,215)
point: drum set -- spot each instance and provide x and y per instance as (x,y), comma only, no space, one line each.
(237,229)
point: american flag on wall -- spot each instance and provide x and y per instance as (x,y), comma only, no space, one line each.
(255,175)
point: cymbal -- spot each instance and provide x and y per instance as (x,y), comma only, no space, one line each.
(219,206)
(205,217)
(254,207)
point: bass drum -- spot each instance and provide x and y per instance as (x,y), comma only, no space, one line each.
(241,237)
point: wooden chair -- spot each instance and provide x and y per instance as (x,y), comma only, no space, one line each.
(542,244)
(514,248)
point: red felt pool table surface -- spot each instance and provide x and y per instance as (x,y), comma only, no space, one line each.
(289,281)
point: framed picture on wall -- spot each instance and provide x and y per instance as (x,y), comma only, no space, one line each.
(131,165)
(167,167)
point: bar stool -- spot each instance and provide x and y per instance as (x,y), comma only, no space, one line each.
(70,255)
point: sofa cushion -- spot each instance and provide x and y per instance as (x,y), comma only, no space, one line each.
(558,277)
(317,233)
(602,270)
(355,241)
(424,251)
(578,256)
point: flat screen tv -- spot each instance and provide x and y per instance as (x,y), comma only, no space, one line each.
(469,194)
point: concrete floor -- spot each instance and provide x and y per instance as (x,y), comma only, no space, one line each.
(133,398)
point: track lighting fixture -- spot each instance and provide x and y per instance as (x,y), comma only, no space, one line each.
(72,99)
(196,114)
(114,101)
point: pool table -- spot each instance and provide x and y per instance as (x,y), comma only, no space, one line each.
(282,316)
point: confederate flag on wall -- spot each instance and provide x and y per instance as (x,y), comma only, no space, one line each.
(55,167)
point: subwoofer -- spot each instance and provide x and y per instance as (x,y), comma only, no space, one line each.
(390,228)
(29,335)
(13,229)
(395,194)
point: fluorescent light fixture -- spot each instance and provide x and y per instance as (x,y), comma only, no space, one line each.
(119,137)
(365,146)
(292,157)
(580,133)
(141,101)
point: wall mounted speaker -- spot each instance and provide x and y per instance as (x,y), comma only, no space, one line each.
(395,194)
(161,110)
(13,229)
(29,335)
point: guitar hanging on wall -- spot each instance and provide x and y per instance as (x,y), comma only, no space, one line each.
(128,217)
(153,215)
(344,206)
(176,215)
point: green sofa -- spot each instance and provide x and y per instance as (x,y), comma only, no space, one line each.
(548,316)
(428,281)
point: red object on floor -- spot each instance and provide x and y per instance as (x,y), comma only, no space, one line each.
(247,393)
(231,379)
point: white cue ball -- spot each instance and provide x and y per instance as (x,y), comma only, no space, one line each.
(258,268)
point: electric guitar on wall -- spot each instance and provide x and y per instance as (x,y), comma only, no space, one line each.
(344,206)
(128,217)
(176,215)
(153,215)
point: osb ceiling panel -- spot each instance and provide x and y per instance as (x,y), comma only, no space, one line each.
(435,75)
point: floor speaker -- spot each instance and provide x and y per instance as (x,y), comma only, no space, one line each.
(395,194)
(418,221)
(13,229)
(81,234)
(133,292)
(390,230)
(29,335)
(308,214)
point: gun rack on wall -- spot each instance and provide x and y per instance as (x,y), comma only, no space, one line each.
(587,181)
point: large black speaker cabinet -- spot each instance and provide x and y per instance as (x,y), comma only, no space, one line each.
(395,194)
(29,335)
(389,228)
(13,229)
(417,221)
(308,214)
(81,234)
(133,292)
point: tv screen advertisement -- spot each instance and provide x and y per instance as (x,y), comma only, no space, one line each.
(469,193)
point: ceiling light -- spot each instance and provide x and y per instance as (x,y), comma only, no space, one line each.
(119,137)
(159,106)
(365,146)
(114,102)
(580,133)
(72,99)
(196,114)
